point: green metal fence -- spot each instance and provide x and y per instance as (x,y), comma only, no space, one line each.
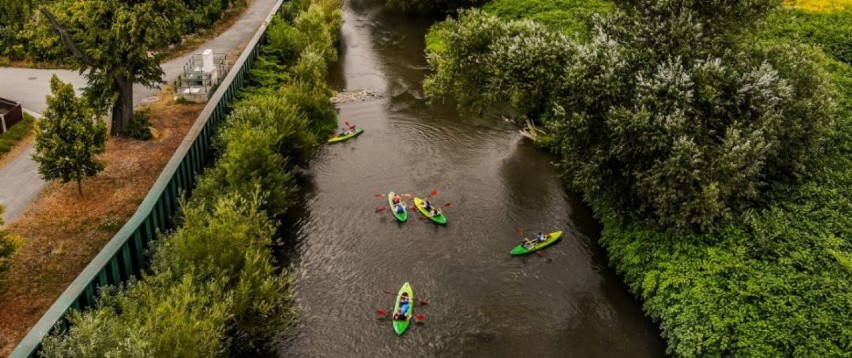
(122,257)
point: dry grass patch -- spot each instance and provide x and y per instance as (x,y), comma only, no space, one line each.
(64,231)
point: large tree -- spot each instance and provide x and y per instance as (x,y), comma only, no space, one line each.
(68,137)
(669,114)
(114,43)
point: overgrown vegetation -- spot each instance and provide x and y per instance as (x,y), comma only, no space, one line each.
(17,17)
(8,245)
(140,126)
(213,289)
(433,6)
(765,270)
(11,137)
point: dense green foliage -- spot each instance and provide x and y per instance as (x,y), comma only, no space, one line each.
(69,137)
(213,288)
(569,16)
(8,245)
(831,31)
(654,120)
(16,16)
(772,281)
(11,137)
(432,6)
(140,126)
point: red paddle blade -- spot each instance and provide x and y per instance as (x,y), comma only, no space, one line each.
(382,313)
(447,205)
(407,195)
(419,318)
(434,192)
(378,195)
(387,292)
(378,210)
(539,253)
(347,123)
(519,231)
(424,302)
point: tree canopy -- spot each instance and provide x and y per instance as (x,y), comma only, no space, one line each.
(113,43)
(664,115)
(69,137)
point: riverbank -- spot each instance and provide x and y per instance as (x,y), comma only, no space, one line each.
(213,287)
(771,282)
(62,231)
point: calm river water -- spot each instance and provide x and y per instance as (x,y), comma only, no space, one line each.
(482,302)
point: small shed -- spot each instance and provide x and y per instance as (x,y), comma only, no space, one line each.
(10,114)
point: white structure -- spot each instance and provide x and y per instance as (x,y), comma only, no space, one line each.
(201,75)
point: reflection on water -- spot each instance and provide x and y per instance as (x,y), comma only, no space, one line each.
(483,303)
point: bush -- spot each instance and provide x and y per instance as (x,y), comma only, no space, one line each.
(140,126)
(8,245)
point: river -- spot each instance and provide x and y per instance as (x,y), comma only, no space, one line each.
(482,302)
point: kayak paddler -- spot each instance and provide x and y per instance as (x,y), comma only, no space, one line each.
(404,305)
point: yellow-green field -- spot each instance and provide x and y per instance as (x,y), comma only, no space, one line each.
(819,5)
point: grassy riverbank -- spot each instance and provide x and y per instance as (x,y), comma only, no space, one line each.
(774,281)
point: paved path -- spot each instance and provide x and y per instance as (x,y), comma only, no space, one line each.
(19,179)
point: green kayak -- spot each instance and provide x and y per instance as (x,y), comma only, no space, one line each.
(440,218)
(341,138)
(401,325)
(401,216)
(551,238)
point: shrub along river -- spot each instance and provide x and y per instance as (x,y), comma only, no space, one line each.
(482,302)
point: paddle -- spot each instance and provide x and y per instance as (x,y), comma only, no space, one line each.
(382,313)
(419,319)
(379,195)
(539,253)
(381,209)
(434,192)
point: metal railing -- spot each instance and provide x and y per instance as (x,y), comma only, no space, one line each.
(122,257)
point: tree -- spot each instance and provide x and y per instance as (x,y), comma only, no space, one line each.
(69,137)
(665,115)
(114,44)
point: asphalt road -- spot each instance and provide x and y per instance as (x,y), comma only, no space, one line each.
(19,179)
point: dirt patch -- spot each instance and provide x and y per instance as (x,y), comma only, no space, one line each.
(62,231)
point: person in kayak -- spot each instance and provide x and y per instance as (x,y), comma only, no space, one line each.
(396,199)
(343,132)
(540,237)
(352,128)
(399,208)
(427,204)
(528,244)
(404,304)
(434,212)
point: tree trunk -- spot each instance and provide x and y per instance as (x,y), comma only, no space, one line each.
(122,110)
(79,185)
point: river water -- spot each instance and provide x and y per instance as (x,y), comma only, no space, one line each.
(482,302)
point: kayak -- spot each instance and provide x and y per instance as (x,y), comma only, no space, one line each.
(399,326)
(399,216)
(551,238)
(440,219)
(340,138)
